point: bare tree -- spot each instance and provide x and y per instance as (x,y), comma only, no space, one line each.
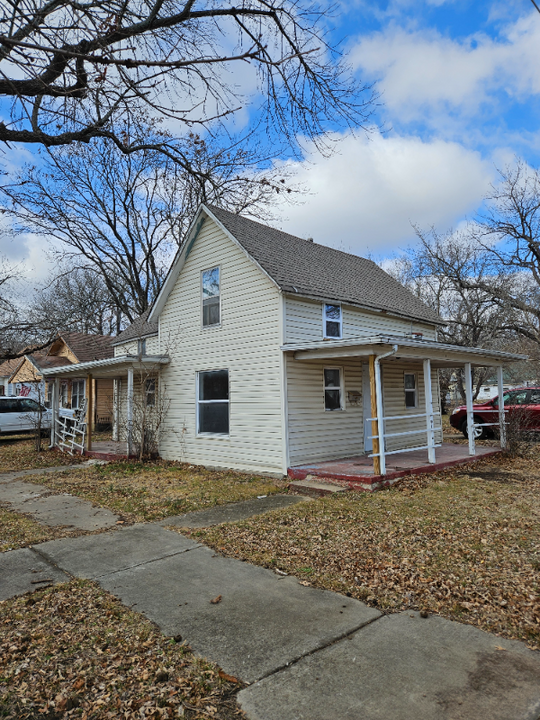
(472,319)
(123,217)
(75,299)
(75,70)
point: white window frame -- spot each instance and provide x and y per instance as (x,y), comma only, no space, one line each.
(324,320)
(218,324)
(341,407)
(207,402)
(408,390)
(153,392)
(81,396)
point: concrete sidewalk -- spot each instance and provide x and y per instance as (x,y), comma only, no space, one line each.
(307,654)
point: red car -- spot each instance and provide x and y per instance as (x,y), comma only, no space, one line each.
(526,398)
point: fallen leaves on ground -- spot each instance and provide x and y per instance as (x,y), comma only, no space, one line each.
(464,543)
(143,492)
(74,651)
(18,453)
(18,530)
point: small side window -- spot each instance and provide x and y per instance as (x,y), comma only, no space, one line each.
(211,297)
(331,320)
(141,347)
(151,392)
(411,399)
(332,389)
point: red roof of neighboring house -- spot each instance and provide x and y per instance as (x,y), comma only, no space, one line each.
(8,367)
(88,347)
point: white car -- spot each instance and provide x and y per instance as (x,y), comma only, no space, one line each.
(20,414)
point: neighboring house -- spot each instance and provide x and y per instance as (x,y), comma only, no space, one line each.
(70,348)
(7,368)
(271,352)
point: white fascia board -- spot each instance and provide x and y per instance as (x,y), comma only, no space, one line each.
(325,348)
(77,368)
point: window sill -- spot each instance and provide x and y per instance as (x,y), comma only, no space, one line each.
(224,436)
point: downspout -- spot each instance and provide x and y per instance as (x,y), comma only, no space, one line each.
(380,410)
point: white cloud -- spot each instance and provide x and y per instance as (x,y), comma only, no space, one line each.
(364,198)
(422,71)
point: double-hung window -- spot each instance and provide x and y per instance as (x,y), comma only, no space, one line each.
(211,306)
(333,392)
(213,402)
(77,394)
(331,320)
(150,388)
(411,397)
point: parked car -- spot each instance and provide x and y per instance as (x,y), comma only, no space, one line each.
(20,414)
(526,399)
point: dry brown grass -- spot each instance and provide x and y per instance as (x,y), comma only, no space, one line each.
(464,543)
(143,492)
(18,453)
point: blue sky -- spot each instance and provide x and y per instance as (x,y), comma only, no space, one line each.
(460,96)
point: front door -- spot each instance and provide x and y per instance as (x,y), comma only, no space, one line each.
(366,402)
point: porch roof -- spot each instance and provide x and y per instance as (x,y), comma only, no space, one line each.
(109,367)
(440,354)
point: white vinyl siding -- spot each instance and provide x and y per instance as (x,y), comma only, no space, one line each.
(393,373)
(246,343)
(131,347)
(315,434)
(303,323)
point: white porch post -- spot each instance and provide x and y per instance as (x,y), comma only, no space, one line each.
(54,407)
(129,410)
(380,417)
(470,416)
(116,404)
(502,421)
(429,411)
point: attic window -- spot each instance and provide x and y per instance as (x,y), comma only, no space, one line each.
(141,347)
(331,321)
(211,297)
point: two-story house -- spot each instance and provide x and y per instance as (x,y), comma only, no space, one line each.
(273,352)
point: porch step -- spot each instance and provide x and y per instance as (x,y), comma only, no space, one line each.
(315,487)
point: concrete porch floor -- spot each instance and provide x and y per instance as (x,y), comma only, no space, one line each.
(357,472)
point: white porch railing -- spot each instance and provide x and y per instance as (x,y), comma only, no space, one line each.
(428,431)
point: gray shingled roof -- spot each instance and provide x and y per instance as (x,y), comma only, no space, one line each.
(139,328)
(306,268)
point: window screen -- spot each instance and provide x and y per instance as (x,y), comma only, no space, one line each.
(332,320)
(410,390)
(210,297)
(332,389)
(77,393)
(213,402)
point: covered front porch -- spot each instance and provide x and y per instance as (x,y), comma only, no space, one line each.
(402,423)
(129,373)
(357,473)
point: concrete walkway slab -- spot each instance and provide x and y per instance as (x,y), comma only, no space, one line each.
(24,571)
(261,622)
(91,556)
(68,511)
(15,474)
(405,668)
(232,512)
(18,491)
(54,510)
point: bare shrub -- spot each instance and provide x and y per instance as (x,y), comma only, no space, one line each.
(520,436)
